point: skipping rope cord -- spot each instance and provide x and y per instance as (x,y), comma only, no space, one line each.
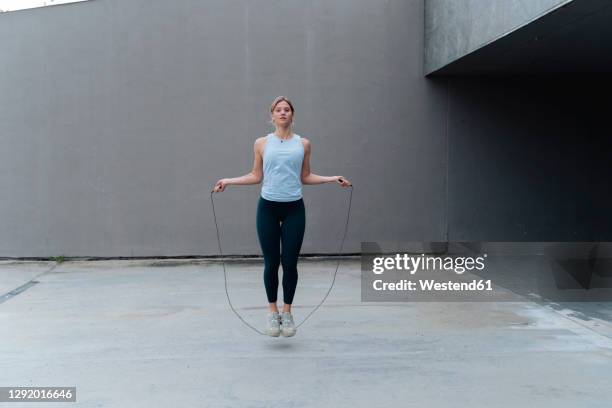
(225,273)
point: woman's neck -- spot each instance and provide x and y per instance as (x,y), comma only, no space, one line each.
(284,132)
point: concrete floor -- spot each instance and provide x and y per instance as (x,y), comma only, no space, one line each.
(159,333)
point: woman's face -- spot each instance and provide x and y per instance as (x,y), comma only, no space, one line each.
(282,114)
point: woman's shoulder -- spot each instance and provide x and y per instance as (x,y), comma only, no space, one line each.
(261,140)
(305,142)
(260,144)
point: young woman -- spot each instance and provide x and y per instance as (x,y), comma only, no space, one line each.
(282,160)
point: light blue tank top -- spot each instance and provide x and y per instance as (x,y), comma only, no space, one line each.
(282,168)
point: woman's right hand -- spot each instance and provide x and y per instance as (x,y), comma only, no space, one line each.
(220,186)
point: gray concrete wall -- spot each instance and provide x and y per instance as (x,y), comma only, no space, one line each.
(455,28)
(529,159)
(116,117)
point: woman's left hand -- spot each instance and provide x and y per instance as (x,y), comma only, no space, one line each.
(343,181)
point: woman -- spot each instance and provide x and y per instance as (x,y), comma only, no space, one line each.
(282,160)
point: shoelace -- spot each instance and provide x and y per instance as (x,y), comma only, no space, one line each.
(348,214)
(287,320)
(273,322)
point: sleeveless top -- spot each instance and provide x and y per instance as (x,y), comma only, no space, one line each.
(282,168)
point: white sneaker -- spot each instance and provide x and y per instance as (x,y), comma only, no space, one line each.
(273,328)
(288,327)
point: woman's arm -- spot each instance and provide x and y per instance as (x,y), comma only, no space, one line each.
(311,178)
(254,177)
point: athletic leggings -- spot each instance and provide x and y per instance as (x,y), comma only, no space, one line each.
(290,232)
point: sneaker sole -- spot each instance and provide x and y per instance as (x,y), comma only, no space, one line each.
(273,334)
(288,334)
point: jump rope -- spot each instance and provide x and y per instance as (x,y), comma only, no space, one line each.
(330,287)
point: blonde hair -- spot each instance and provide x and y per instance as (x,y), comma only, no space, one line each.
(276,102)
(280,99)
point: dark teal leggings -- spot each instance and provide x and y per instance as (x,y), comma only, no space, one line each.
(280,222)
